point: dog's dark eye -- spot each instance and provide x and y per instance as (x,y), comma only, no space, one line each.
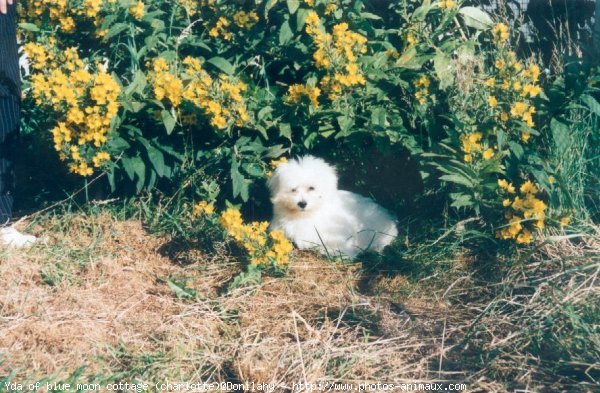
(311,188)
(293,190)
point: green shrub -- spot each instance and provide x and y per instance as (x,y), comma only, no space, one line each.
(153,91)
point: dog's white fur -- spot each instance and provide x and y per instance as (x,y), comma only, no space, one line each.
(313,213)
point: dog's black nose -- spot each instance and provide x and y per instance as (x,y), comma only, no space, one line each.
(302,204)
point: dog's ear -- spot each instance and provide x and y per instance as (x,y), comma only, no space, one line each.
(327,173)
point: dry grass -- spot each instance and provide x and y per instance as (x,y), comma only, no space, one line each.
(116,297)
(96,294)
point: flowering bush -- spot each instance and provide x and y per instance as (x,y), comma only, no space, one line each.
(264,250)
(145,89)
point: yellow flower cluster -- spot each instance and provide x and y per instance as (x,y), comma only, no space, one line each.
(512,89)
(265,249)
(274,164)
(298,91)
(523,208)
(500,33)
(338,54)
(138,10)
(447,4)
(84,104)
(220,29)
(166,84)
(330,8)
(472,144)
(245,20)
(191,6)
(220,99)
(422,89)
(65,13)
(202,208)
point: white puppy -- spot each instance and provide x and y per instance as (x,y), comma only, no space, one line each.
(313,213)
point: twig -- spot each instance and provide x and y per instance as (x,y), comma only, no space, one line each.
(299,348)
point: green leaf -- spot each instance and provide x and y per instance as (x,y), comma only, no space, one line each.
(285,130)
(222,64)
(127,164)
(461,200)
(168,121)
(476,18)
(249,278)
(118,144)
(301,19)
(157,159)
(263,113)
(420,13)
(560,134)
(410,60)
(138,85)
(293,5)
(345,123)
(591,103)
(516,149)
(457,179)
(29,27)
(116,29)
(181,291)
(378,117)
(442,63)
(285,33)
(239,182)
(140,170)
(368,15)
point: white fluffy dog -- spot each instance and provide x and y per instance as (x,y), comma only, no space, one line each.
(313,213)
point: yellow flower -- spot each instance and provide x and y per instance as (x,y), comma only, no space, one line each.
(500,33)
(423,81)
(67,24)
(491,82)
(447,4)
(504,116)
(312,21)
(468,158)
(502,184)
(532,73)
(275,163)
(518,109)
(203,207)
(297,91)
(492,101)
(506,202)
(539,224)
(551,179)
(331,7)
(220,29)
(525,237)
(245,20)
(489,153)
(564,221)
(160,65)
(528,188)
(138,10)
